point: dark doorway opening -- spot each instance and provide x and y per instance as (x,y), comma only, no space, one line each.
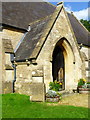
(58,67)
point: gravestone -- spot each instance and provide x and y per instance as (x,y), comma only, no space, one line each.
(37,92)
(7,87)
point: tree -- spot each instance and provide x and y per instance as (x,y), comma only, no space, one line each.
(86,23)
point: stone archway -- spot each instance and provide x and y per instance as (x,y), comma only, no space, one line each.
(58,66)
(63,61)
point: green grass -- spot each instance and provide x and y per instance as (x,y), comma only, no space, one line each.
(19,106)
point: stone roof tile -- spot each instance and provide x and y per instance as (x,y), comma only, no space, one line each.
(20,14)
(81,34)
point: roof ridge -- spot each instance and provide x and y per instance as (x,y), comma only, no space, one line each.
(37,37)
(46,31)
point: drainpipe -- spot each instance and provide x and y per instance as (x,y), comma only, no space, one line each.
(14,66)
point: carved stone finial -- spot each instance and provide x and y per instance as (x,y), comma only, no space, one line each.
(60,3)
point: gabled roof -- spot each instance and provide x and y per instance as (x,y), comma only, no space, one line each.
(7,45)
(40,29)
(20,14)
(81,34)
(35,39)
(31,39)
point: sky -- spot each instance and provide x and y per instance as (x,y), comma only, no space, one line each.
(80,9)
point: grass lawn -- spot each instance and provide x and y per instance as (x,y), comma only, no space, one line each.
(19,106)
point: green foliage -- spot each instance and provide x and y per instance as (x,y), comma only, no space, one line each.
(19,106)
(54,86)
(81,82)
(88,82)
(60,95)
(86,23)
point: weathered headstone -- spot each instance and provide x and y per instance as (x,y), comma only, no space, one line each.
(37,92)
(7,87)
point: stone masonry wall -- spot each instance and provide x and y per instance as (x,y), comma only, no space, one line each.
(61,29)
(42,72)
(1,60)
(8,75)
(14,36)
(26,75)
(86,51)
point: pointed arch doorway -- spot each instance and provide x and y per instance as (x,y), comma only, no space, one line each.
(63,61)
(58,65)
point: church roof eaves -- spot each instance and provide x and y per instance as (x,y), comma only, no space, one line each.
(37,46)
(82,35)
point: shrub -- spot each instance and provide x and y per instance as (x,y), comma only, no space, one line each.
(88,82)
(81,82)
(55,85)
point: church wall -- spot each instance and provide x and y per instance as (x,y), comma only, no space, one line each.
(7,73)
(23,78)
(7,70)
(86,51)
(1,61)
(29,74)
(74,73)
(3,65)
(42,72)
(13,35)
(26,75)
(8,60)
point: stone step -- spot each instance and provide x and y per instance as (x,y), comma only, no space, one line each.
(66,93)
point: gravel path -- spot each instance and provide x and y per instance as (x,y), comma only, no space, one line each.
(81,100)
